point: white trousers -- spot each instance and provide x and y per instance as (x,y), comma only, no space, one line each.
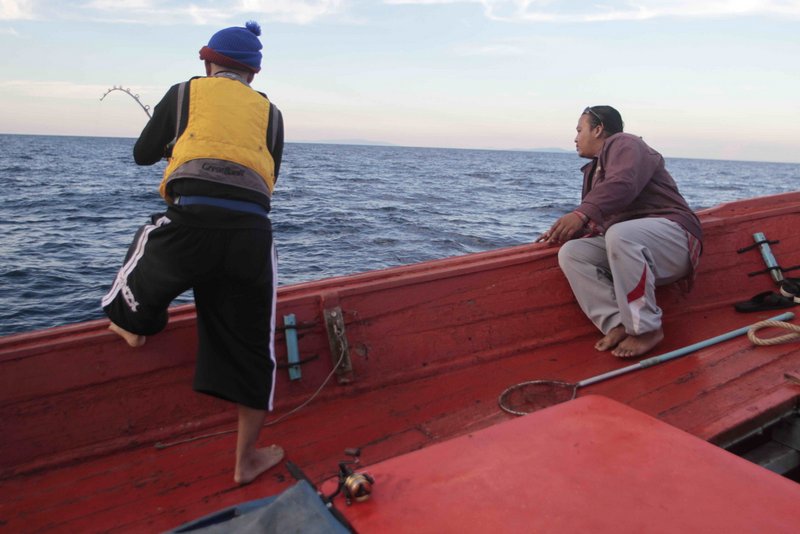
(614,276)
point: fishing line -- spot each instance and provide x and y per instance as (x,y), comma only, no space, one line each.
(159,445)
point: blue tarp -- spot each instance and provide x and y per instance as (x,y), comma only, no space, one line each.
(299,509)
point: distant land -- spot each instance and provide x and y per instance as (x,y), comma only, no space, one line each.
(548,149)
(367,142)
(348,142)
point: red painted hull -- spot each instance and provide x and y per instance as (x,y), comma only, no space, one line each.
(432,346)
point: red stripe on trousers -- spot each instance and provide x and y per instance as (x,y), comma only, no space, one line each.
(638,291)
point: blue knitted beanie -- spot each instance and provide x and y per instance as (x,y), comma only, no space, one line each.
(235,47)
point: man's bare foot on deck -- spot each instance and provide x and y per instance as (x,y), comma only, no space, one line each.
(134,340)
(633,346)
(612,339)
(257,462)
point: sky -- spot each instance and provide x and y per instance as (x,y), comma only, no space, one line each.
(715,79)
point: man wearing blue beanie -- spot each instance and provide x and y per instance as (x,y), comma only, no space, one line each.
(224,143)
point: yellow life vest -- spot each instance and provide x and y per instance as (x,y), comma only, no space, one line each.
(225,139)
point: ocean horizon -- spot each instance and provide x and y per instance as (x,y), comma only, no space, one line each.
(379,143)
(71,205)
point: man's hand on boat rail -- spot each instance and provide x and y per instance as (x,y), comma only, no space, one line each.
(563,229)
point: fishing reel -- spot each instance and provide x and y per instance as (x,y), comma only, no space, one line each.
(355,486)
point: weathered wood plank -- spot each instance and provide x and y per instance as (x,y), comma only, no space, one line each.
(433,345)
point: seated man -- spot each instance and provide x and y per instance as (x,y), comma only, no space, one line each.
(632,232)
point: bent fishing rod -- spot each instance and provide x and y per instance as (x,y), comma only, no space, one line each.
(145,107)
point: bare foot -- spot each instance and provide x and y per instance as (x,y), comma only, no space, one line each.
(633,346)
(612,339)
(134,340)
(257,462)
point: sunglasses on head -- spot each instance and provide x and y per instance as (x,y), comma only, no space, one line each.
(593,113)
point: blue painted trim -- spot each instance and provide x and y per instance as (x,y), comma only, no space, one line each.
(292,351)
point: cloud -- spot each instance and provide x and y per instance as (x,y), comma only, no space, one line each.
(308,11)
(16,9)
(615,10)
(298,11)
(172,12)
(9,31)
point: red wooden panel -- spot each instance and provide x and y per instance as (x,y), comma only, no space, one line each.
(433,344)
(591,465)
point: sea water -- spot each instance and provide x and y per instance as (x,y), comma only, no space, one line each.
(71,205)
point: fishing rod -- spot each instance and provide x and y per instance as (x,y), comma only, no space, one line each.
(145,107)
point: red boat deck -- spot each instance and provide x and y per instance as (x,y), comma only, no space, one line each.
(432,347)
(590,465)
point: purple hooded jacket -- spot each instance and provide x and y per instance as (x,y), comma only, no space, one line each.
(628,180)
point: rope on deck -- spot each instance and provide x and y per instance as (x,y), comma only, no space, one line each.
(794,333)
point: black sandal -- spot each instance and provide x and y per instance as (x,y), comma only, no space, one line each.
(768,300)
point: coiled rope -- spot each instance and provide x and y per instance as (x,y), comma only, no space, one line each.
(794,333)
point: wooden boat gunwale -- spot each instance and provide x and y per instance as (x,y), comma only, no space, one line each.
(507,311)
